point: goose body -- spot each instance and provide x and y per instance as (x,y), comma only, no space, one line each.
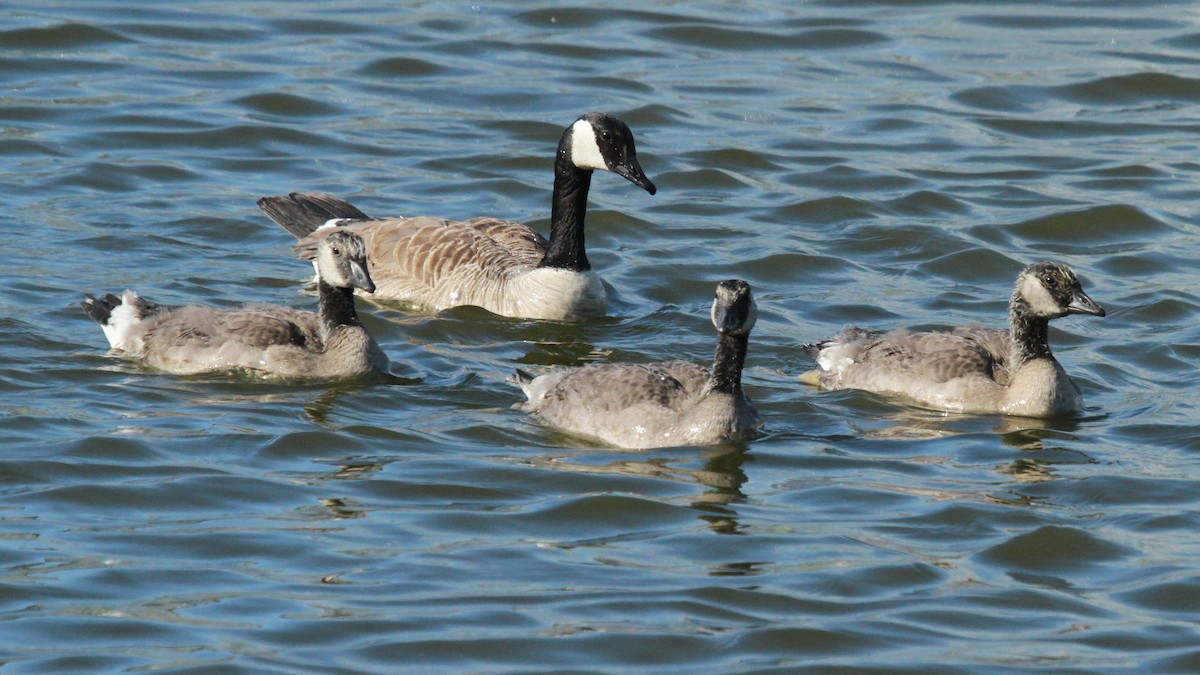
(658,404)
(500,265)
(258,338)
(969,369)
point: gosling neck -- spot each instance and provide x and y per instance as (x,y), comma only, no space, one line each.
(1029,333)
(337,306)
(567,210)
(728,362)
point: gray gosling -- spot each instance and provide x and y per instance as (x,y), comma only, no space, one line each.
(502,266)
(260,339)
(969,369)
(657,404)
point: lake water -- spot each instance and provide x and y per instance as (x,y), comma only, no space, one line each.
(889,163)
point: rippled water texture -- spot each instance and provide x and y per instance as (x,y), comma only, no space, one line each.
(878,163)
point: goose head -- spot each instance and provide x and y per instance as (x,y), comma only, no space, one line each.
(598,141)
(342,261)
(1050,290)
(733,309)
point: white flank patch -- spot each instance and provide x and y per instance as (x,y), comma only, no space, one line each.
(585,152)
(549,293)
(123,329)
(332,222)
(1038,297)
(834,359)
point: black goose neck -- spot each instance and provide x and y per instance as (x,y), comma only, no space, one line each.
(728,362)
(1030,334)
(337,306)
(567,210)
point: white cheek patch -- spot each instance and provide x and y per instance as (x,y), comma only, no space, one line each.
(585,153)
(1038,297)
(329,270)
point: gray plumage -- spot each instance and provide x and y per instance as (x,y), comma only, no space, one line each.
(263,339)
(657,404)
(971,368)
(502,266)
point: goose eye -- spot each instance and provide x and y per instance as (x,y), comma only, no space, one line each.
(1047,279)
(335,250)
(605,136)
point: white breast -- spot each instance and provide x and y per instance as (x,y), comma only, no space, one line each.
(547,293)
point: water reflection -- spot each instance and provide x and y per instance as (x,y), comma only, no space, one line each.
(1028,471)
(1025,433)
(341,509)
(319,408)
(720,473)
(550,350)
(903,423)
(352,469)
(740,569)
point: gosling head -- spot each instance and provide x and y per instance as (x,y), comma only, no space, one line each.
(601,142)
(342,261)
(1050,290)
(733,310)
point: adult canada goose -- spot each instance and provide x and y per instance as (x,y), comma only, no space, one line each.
(970,369)
(502,266)
(264,339)
(657,404)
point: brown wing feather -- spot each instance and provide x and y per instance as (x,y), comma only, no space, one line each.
(935,357)
(997,343)
(411,257)
(520,240)
(611,389)
(251,326)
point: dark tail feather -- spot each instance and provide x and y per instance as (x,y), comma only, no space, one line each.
(813,349)
(302,213)
(100,308)
(520,377)
(330,205)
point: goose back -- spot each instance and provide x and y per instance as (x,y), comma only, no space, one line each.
(940,370)
(502,266)
(485,262)
(658,404)
(640,405)
(264,339)
(969,368)
(257,338)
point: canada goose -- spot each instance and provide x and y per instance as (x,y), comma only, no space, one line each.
(970,369)
(502,266)
(657,404)
(264,339)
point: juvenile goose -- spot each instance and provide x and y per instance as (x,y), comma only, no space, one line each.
(502,266)
(265,339)
(657,404)
(970,369)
